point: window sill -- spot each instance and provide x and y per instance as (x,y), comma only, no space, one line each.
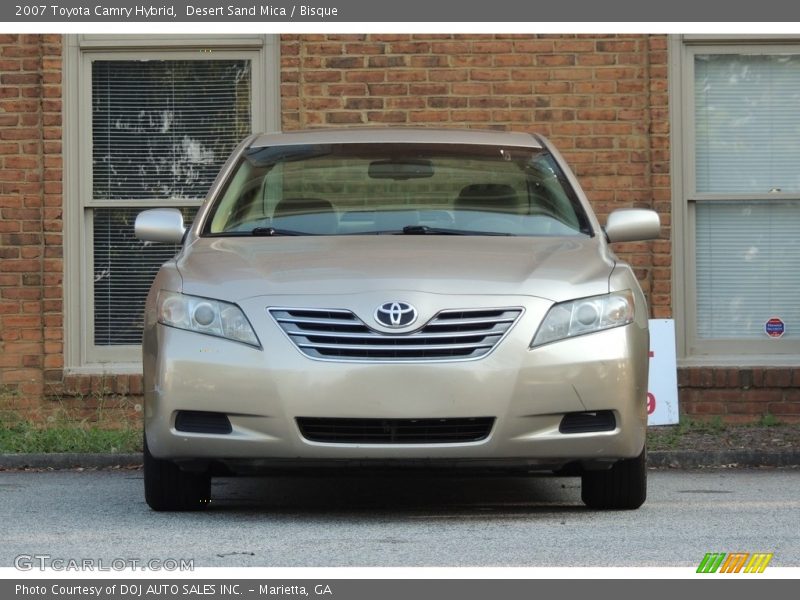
(105,369)
(740,360)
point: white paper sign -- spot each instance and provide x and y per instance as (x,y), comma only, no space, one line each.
(662,398)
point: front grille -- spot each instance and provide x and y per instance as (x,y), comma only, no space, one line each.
(395,431)
(197,421)
(449,335)
(587,422)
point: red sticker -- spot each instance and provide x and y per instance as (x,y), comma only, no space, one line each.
(775,327)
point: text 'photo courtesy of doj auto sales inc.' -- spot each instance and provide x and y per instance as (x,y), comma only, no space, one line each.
(171,590)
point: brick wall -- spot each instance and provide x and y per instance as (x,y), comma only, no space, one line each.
(30,211)
(601,99)
(740,395)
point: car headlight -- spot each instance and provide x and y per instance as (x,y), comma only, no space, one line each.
(586,315)
(203,315)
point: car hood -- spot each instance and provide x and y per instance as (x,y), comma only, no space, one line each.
(553,268)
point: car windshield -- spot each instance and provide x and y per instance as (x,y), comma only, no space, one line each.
(359,189)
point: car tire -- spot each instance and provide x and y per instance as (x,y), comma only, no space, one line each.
(622,487)
(168,488)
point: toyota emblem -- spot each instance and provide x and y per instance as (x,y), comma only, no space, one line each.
(395,314)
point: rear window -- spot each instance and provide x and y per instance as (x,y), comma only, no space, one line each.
(350,189)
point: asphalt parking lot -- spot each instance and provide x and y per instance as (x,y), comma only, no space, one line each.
(403,520)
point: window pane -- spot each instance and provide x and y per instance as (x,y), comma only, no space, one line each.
(161,129)
(747,119)
(747,268)
(124,269)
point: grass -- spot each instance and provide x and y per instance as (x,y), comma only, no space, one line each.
(670,436)
(26,437)
(69,427)
(769,420)
(689,434)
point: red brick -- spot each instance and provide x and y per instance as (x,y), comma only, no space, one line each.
(428,116)
(388,89)
(616,46)
(489,74)
(343,117)
(409,48)
(784,408)
(322,76)
(135,385)
(427,62)
(778,378)
(448,75)
(739,419)
(362,76)
(363,103)
(450,47)
(492,47)
(427,89)
(405,103)
(384,62)
(19,78)
(447,102)
(365,48)
(533,46)
(396,116)
(357,89)
(472,60)
(512,60)
(406,75)
(345,62)
(555,60)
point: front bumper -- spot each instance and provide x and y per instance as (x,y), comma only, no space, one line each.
(527,392)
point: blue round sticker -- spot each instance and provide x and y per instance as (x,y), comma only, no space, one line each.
(775,327)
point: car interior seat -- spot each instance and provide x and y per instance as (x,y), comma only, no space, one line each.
(309,215)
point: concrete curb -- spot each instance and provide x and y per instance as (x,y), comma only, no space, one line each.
(692,459)
(69,460)
(659,459)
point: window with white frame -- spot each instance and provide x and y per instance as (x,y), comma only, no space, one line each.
(739,209)
(156,125)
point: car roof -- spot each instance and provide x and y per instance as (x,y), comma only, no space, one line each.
(397,135)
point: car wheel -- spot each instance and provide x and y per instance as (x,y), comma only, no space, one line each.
(167,487)
(622,487)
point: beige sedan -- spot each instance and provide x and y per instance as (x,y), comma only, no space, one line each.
(395,298)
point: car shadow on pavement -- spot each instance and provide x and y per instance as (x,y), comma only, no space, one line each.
(398,493)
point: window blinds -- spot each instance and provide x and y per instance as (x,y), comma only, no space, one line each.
(748,260)
(124,269)
(747,123)
(161,130)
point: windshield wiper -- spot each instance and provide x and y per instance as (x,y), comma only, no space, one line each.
(425,230)
(272,231)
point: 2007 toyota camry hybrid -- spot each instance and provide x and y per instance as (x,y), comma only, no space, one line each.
(395,298)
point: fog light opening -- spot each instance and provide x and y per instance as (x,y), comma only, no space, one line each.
(588,422)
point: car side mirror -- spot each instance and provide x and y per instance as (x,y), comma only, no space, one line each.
(632,225)
(160,225)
